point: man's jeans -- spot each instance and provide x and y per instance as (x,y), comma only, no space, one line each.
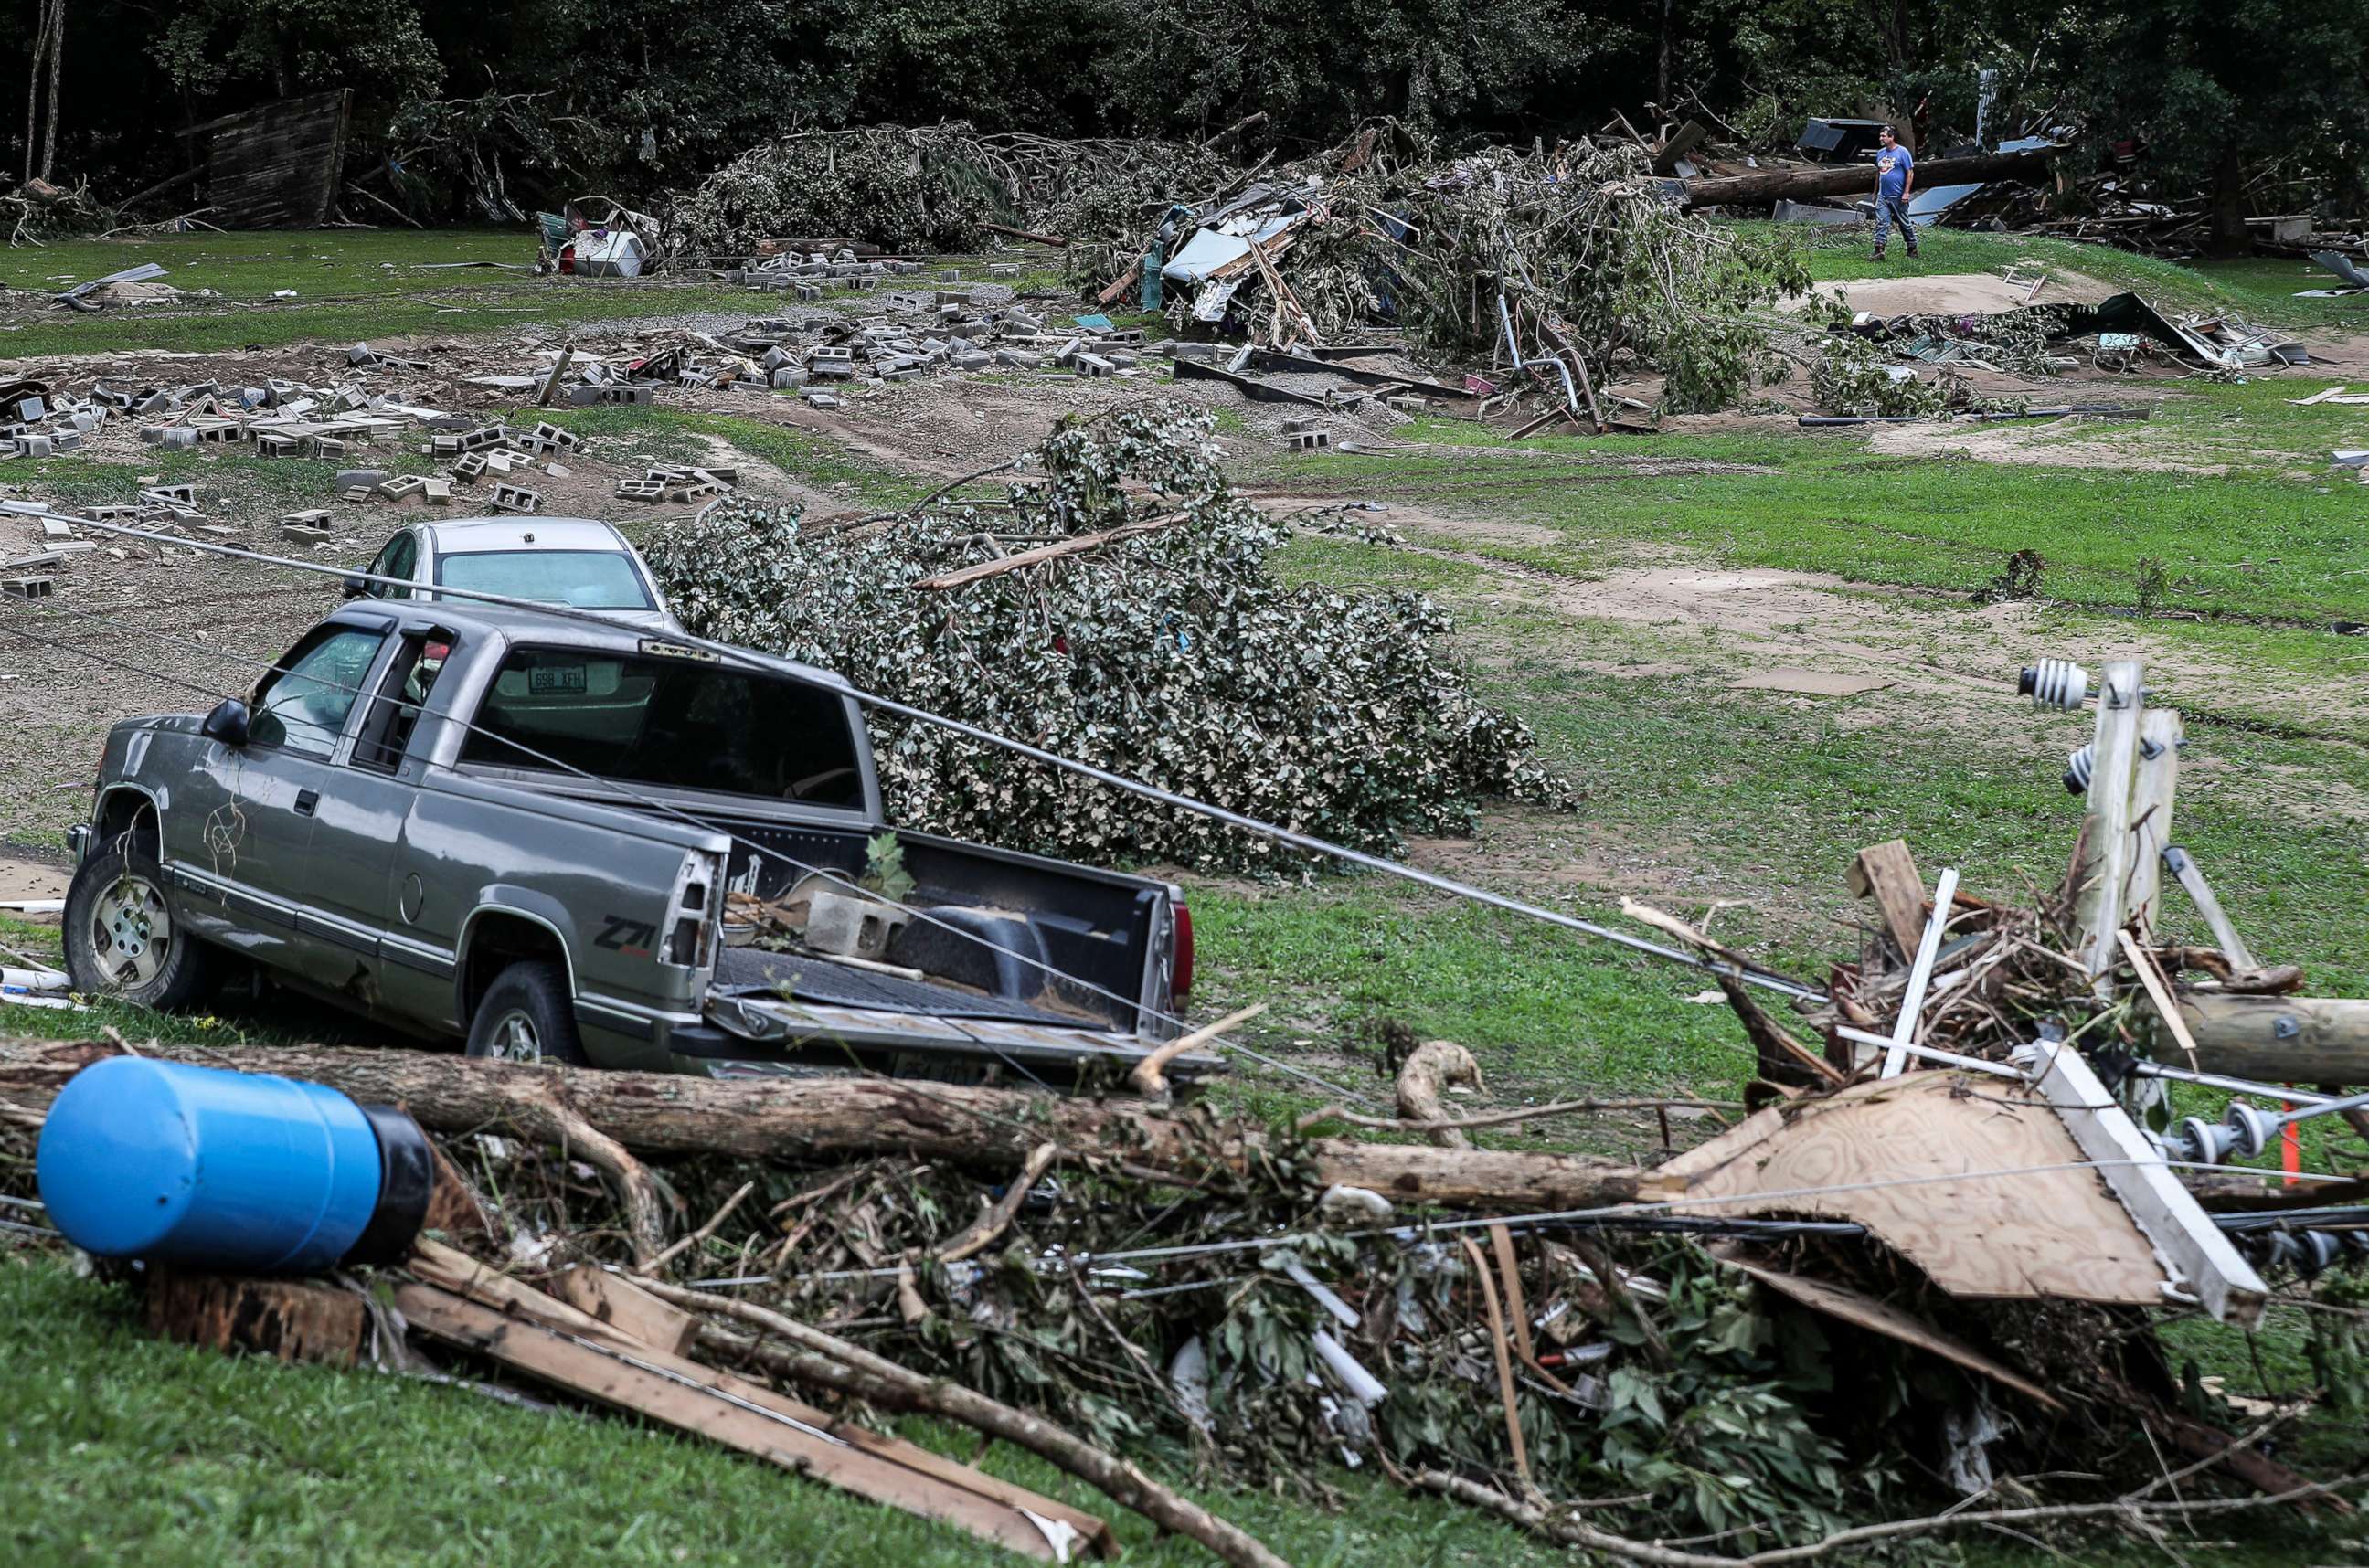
(1890,209)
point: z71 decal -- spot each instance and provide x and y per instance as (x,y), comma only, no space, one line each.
(630,937)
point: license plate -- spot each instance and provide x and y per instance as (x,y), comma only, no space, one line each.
(545,678)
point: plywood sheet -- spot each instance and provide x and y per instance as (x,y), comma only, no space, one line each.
(1971,1178)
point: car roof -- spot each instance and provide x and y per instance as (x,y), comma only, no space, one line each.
(474,535)
(541,628)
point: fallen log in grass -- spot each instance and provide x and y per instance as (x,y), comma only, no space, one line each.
(821,1119)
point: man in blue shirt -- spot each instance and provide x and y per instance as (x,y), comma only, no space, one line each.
(1896,177)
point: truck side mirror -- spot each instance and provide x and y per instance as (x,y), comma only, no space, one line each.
(354,586)
(227,723)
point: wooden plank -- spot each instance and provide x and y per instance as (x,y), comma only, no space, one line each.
(2151,804)
(2204,1264)
(2182,865)
(1912,1000)
(1887,872)
(1865,1311)
(691,1401)
(463,1275)
(286,1319)
(627,1309)
(2105,850)
(1924,1152)
(2143,965)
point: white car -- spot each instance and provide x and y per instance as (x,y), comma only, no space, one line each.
(578,561)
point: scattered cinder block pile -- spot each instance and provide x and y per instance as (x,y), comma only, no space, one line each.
(808,275)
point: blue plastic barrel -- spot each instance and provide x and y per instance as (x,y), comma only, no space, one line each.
(235,1172)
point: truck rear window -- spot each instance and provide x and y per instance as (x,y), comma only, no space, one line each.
(588,579)
(676,723)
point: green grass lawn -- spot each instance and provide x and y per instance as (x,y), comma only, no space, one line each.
(2246,544)
(122,1447)
(349,286)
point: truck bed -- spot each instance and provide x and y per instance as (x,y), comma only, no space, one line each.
(807,978)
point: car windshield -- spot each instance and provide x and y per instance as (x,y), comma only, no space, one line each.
(672,721)
(588,579)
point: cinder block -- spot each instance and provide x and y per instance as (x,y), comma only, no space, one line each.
(360,478)
(515,497)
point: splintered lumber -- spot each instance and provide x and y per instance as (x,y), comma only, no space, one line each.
(463,1303)
(1887,872)
(1974,1180)
(2282,1039)
(835,1363)
(1767,187)
(287,1319)
(837,1118)
(627,1309)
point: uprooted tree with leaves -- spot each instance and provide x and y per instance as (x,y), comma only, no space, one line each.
(1150,635)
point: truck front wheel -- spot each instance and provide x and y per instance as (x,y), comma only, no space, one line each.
(527,1015)
(121,938)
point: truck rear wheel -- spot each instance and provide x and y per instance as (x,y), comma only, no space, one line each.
(121,938)
(527,1015)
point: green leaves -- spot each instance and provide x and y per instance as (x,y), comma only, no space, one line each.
(1172,656)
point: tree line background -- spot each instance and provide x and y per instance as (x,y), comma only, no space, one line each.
(2236,101)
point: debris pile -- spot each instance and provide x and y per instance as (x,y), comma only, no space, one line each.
(1571,267)
(1920,1268)
(913,334)
(930,189)
(1113,1284)
(1116,605)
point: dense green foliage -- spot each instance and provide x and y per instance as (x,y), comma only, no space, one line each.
(543,98)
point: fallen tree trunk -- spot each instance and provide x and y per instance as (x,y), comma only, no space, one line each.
(2282,1039)
(840,1118)
(1769,186)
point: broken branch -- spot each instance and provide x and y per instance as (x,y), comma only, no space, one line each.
(836,1364)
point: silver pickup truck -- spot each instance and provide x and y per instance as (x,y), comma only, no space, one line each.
(545,837)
